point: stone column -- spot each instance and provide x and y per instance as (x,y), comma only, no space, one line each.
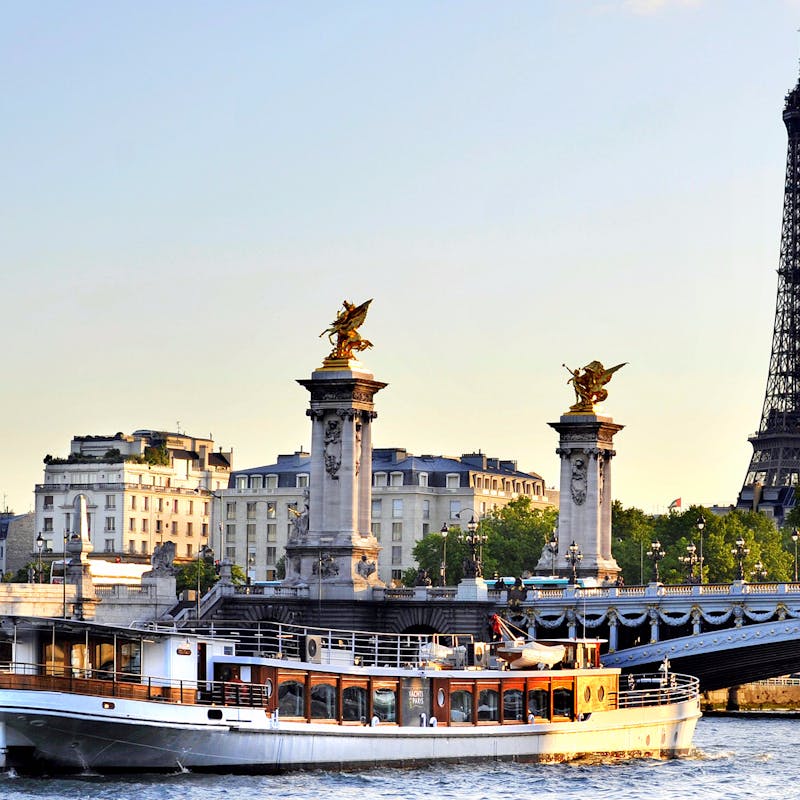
(334,552)
(585,448)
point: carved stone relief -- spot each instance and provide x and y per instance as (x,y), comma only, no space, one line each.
(332,452)
(578,484)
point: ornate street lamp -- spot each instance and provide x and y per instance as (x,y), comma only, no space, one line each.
(443,571)
(574,557)
(552,547)
(759,572)
(795,537)
(39,546)
(700,524)
(689,560)
(473,540)
(740,552)
(656,553)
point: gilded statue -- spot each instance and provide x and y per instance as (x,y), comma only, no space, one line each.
(589,385)
(343,332)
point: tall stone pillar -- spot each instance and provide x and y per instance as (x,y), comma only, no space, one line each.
(584,516)
(333,551)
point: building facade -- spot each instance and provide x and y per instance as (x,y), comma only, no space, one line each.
(411,497)
(141,489)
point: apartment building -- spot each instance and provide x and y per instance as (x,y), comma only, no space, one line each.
(411,496)
(141,489)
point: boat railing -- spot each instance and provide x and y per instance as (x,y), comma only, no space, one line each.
(655,689)
(343,647)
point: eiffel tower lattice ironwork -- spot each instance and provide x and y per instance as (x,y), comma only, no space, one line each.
(774,470)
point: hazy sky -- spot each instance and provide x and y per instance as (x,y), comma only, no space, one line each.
(190,189)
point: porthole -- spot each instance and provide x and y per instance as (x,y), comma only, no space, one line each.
(268,688)
(587,693)
(108,705)
(601,693)
(440,698)
(214,713)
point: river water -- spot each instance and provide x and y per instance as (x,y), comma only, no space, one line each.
(735,758)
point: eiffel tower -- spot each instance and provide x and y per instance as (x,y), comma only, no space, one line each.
(774,471)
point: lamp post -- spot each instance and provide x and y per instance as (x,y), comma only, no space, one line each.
(203,553)
(700,524)
(552,547)
(759,572)
(39,546)
(443,571)
(795,537)
(574,557)
(656,553)
(689,560)
(474,540)
(740,552)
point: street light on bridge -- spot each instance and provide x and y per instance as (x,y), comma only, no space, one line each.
(689,560)
(552,548)
(795,537)
(740,552)
(574,557)
(443,571)
(656,553)
(700,524)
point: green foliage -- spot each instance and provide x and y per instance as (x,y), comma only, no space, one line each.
(633,531)
(280,567)
(428,553)
(186,576)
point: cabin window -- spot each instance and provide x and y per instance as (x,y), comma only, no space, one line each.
(461,706)
(384,704)
(488,705)
(562,703)
(354,704)
(324,701)
(513,705)
(539,703)
(291,699)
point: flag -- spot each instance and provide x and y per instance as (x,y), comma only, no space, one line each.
(676,503)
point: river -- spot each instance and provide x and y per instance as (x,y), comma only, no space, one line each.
(736,758)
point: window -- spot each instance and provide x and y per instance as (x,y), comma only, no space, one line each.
(251,511)
(396,479)
(159,526)
(189,550)
(453,481)
(191,506)
(230,534)
(205,509)
(272,532)
(189,529)
(324,701)
(256,481)
(144,526)
(272,481)
(111,524)
(384,704)
(230,510)
(376,508)
(397,531)
(48,502)
(562,703)
(461,706)
(175,506)
(513,705)
(133,502)
(131,545)
(230,553)
(455,509)
(146,501)
(291,699)
(376,530)
(174,528)
(111,501)
(302,481)
(397,508)
(380,479)
(251,534)
(426,509)
(426,528)
(539,703)
(48,523)
(272,553)
(354,704)
(488,705)
(131,524)
(241,482)
(109,546)
(397,555)
(204,529)
(160,504)
(143,548)
(423,479)
(272,508)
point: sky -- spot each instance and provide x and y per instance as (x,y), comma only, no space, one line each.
(190,190)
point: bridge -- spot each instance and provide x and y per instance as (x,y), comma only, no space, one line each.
(725,634)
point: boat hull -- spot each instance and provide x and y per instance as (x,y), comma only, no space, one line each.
(50,730)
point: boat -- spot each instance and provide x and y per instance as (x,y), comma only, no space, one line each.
(78,696)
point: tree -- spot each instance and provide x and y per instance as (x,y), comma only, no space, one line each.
(186,576)
(631,533)
(516,535)
(429,551)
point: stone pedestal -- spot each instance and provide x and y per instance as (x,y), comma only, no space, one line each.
(474,589)
(331,549)
(584,517)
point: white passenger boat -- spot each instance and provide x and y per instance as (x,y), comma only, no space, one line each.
(79,696)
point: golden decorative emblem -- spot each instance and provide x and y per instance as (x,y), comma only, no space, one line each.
(589,385)
(343,332)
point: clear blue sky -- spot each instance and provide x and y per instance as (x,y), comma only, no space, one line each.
(190,189)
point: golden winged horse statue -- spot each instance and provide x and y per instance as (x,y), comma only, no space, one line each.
(589,385)
(343,332)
